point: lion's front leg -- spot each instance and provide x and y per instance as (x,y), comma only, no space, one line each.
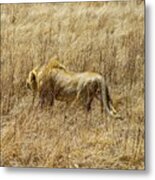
(42,97)
(41,102)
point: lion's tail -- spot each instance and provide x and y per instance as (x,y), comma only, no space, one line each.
(106,99)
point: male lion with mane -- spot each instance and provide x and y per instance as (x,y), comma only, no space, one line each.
(53,81)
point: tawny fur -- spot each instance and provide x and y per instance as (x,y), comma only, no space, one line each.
(53,81)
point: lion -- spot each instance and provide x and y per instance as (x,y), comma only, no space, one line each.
(53,81)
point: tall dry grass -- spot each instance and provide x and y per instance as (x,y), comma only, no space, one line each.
(106,37)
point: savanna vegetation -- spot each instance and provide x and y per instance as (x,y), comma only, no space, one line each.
(105,37)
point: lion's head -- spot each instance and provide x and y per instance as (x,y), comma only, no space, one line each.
(40,73)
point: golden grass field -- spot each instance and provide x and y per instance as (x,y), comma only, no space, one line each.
(105,37)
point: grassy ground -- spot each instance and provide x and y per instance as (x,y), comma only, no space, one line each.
(104,37)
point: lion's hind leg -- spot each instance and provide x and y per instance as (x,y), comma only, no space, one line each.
(88,101)
(88,104)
